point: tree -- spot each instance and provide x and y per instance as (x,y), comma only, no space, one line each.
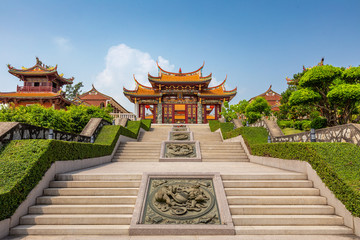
(73,90)
(332,90)
(258,108)
(228,111)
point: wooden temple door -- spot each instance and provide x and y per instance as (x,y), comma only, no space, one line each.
(191,113)
(142,111)
(204,118)
(168,113)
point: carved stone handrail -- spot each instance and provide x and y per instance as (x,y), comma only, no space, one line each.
(18,131)
(343,133)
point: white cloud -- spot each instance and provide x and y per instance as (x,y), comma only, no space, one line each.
(62,43)
(122,62)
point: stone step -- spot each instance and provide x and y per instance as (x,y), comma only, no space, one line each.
(285,220)
(76,219)
(225,159)
(272,191)
(79,209)
(268,183)
(281,209)
(94,184)
(276,200)
(265,176)
(85,200)
(227,151)
(139,144)
(70,230)
(219,155)
(293,230)
(91,191)
(128,150)
(137,155)
(137,159)
(97,177)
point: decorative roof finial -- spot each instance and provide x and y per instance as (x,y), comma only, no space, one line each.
(38,62)
(179,70)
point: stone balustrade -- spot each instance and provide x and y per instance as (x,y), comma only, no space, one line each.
(343,133)
(18,131)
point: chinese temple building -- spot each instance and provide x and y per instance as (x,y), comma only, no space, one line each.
(42,85)
(272,97)
(96,98)
(179,97)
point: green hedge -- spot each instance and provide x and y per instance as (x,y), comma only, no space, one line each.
(145,124)
(337,164)
(226,127)
(214,125)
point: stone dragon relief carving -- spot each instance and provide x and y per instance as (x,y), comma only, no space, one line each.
(183,150)
(181,201)
(180,136)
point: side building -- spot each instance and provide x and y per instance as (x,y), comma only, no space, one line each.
(96,98)
(272,97)
(179,97)
(42,85)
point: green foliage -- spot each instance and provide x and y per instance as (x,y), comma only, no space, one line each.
(226,127)
(314,115)
(72,91)
(228,112)
(334,91)
(214,125)
(303,96)
(337,164)
(73,120)
(289,131)
(285,123)
(320,75)
(258,108)
(24,162)
(306,125)
(318,123)
(145,124)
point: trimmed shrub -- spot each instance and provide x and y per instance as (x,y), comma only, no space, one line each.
(145,124)
(298,125)
(226,127)
(318,123)
(214,125)
(337,164)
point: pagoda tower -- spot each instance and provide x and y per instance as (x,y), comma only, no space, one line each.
(179,97)
(42,85)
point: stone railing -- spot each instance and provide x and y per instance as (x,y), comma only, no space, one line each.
(18,131)
(343,133)
(130,116)
(93,127)
(271,126)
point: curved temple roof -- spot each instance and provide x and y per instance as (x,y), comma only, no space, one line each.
(39,69)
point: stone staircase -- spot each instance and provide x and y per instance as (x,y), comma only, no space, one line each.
(213,149)
(279,204)
(147,149)
(262,200)
(83,204)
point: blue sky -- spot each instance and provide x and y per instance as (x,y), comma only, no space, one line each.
(256,43)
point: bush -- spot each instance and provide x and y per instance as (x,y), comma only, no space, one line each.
(314,114)
(24,162)
(285,124)
(298,125)
(337,164)
(145,124)
(214,125)
(226,127)
(73,120)
(318,123)
(306,125)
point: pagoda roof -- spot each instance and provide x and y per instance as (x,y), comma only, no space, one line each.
(194,77)
(34,95)
(39,69)
(141,91)
(94,90)
(218,91)
(265,94)
(198,71)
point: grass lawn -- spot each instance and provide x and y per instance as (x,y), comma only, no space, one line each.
(289,131)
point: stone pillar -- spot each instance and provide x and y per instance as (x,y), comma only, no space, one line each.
(199,112)
(159,113)
(136,110)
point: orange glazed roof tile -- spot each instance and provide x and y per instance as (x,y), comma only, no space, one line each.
(29,94)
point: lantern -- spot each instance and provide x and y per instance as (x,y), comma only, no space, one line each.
(212,106)
(147,106)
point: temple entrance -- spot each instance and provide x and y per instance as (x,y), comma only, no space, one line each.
(211,112)
(168,113)
(148,111)
(191,113)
